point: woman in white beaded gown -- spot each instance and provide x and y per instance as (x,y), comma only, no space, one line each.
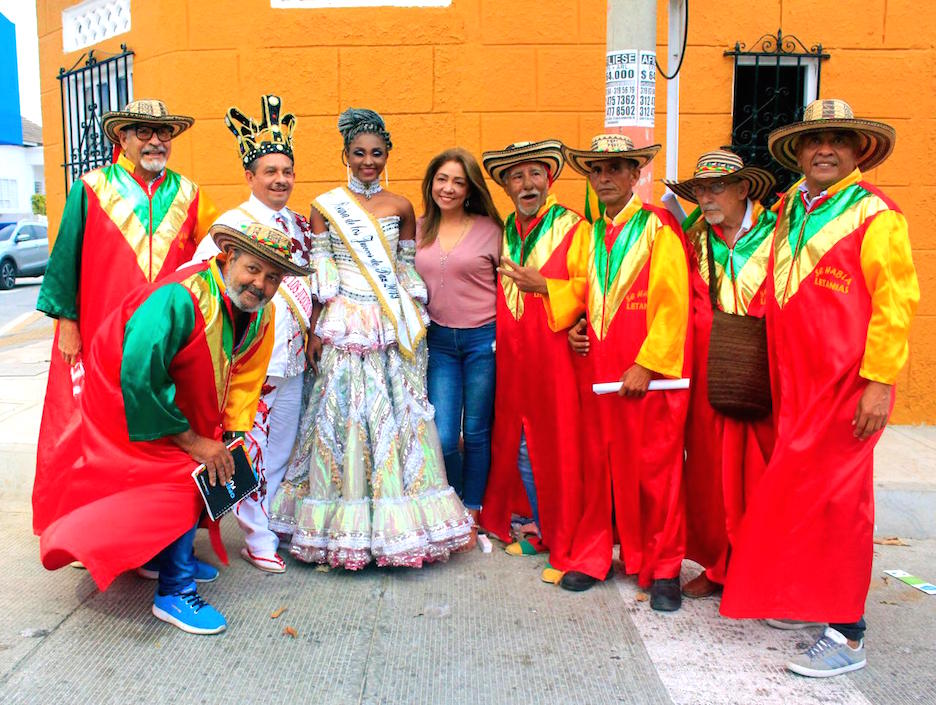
(367,479)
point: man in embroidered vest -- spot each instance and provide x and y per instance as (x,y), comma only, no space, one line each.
(635,297)
(265,149)
(176,367)
(725,456)
(535,469)
(841,292)
(124,225)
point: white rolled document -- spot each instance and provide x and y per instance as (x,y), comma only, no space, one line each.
(656,385)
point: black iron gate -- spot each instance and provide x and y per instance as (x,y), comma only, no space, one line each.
(773,82)
(88,92)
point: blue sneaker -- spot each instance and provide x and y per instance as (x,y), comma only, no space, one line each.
(204,572)
(189,612)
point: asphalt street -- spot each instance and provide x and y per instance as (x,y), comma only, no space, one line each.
(18,301)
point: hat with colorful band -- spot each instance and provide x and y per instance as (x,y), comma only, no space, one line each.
(877,138)
(722,164)
(549,152)
(609,146)
(267,243)
(146,111)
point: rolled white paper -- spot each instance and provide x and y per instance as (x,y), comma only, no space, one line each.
(656,385)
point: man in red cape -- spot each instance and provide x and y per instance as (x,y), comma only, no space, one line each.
(124,225)
(175,367)
(725,456)
(535,465)
(634,292)
(841,292)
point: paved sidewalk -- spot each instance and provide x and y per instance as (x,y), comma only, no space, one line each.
(480,629)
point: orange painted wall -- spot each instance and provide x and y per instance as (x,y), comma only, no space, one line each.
(484,73)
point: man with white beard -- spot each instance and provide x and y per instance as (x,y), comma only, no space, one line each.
(125,225)
(726,450)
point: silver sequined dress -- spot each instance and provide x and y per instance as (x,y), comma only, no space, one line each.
(367,479)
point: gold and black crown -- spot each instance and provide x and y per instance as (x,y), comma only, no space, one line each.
(272,135)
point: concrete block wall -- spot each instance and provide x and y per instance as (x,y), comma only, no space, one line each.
(483,73)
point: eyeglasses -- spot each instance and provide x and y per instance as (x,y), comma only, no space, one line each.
(145,132)
(716,188)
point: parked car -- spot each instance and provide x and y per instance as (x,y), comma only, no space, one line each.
(24,251)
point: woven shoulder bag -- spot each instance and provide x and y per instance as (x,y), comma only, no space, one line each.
(737,372)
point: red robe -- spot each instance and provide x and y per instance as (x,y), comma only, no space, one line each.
(127,490)
(725,457)
(636,296)
(116,234)
(841,292)
(535,391)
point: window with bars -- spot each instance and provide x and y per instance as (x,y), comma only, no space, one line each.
(98,86)
(773,82)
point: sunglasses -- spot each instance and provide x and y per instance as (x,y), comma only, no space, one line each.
(145,132)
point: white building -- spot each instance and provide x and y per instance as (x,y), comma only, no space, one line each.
(21,174)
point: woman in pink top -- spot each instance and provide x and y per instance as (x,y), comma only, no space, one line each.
(458,248)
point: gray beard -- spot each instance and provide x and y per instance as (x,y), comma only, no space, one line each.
(154,164)
(235,297)
(529,213)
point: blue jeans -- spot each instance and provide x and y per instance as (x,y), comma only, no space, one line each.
(526,476)
(461,388)
(854,630)
(177,564)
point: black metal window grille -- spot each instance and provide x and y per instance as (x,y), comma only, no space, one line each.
(88,92)
(773,83)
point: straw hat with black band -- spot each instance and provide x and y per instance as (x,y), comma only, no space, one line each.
(549,152)
(722,164)
(609,146)
(145,111)
(268,244)
(876,138)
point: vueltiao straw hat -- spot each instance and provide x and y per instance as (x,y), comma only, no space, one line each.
(149,111)
(877,138)
(609,146)
(722,164)
(549,152)
(267,243)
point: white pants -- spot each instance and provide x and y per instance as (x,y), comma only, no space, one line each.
(271,442)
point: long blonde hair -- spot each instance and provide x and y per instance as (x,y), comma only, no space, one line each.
(479,199)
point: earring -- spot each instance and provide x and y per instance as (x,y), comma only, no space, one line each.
(467,202)
(348,169)
(386,174)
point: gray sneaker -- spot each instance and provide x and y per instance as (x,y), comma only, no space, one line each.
(791,624)
(830,656)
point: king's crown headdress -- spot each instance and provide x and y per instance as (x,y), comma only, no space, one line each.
(271,135)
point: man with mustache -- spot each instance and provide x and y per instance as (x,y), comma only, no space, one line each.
(535,468)
(174,369)
(124,225)
(725,455)
(635,297)
(266,152)
(841,292)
